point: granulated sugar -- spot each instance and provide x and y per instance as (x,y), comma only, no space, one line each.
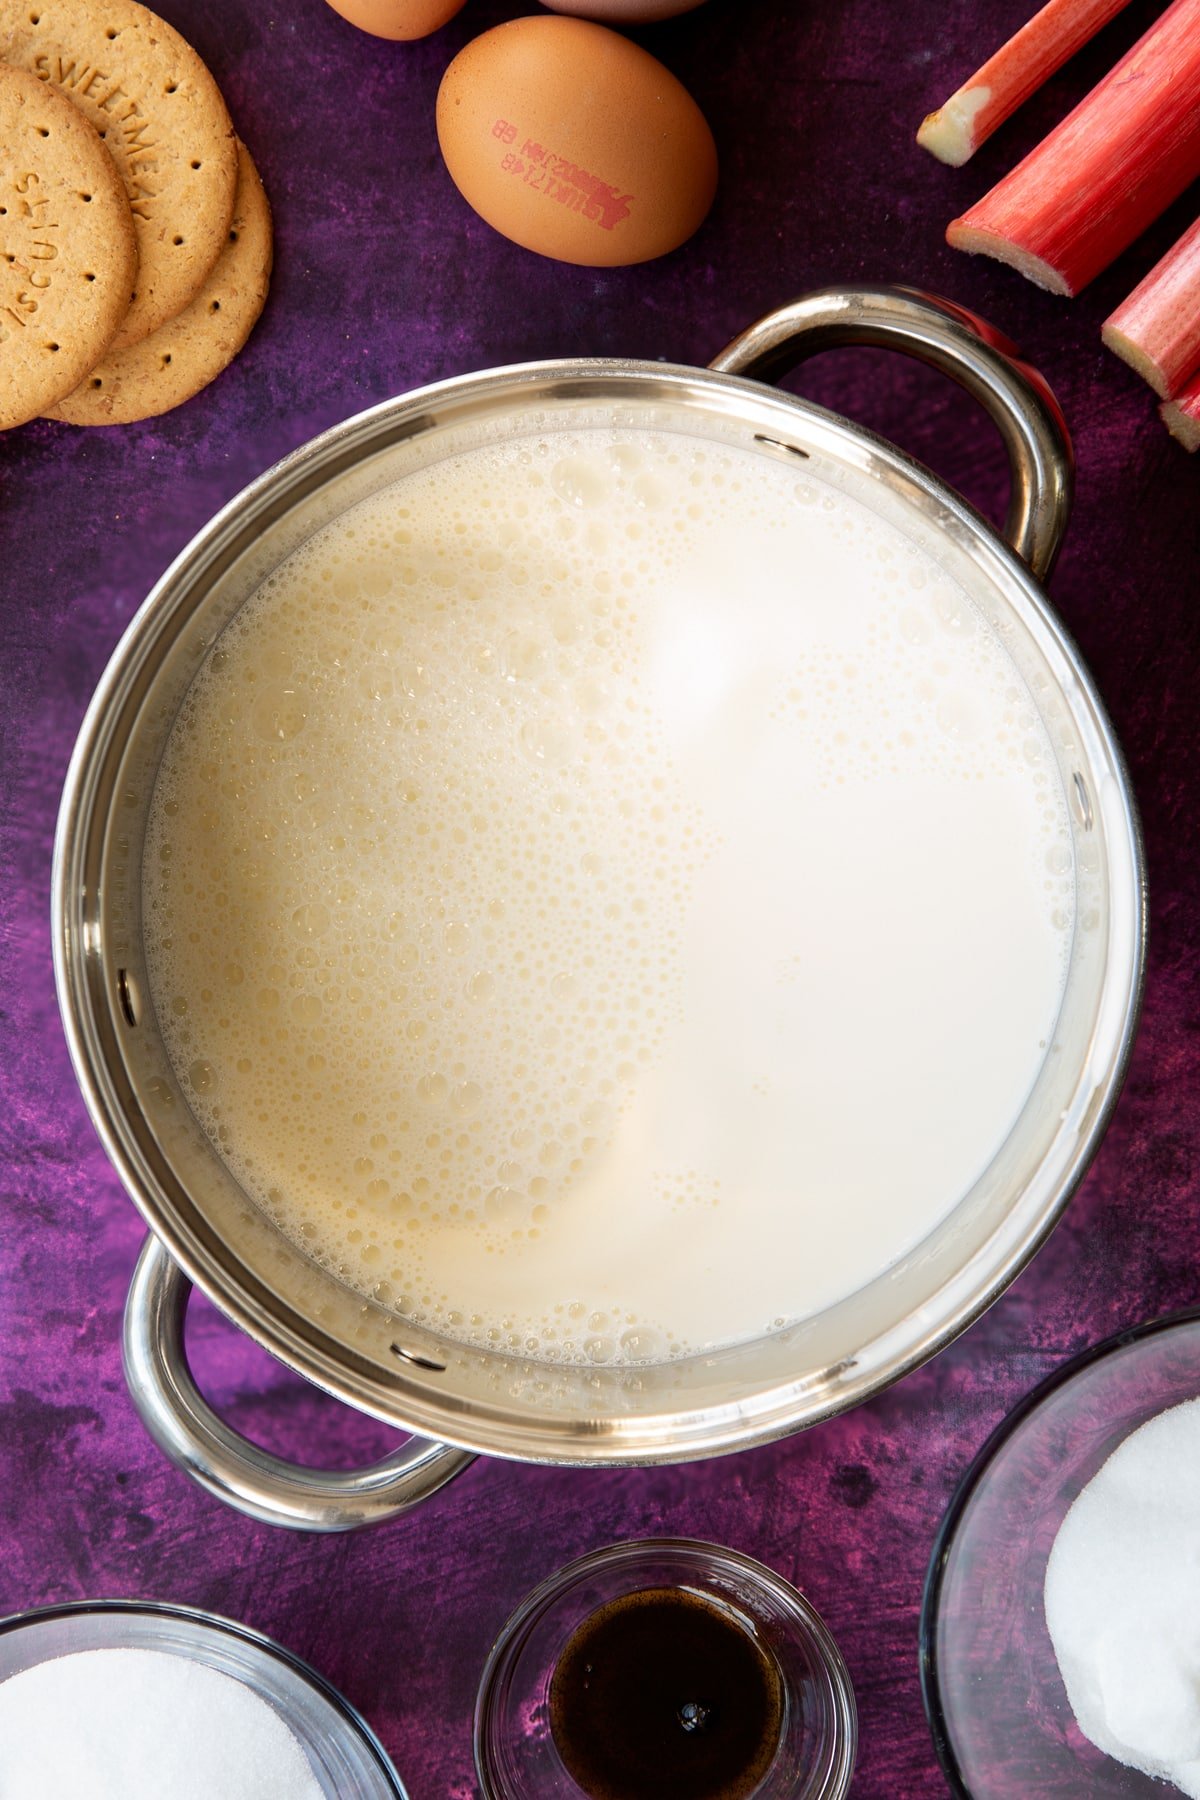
(1123,1601)
(143,1724)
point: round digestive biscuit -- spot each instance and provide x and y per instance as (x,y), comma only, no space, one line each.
(67,252)
(162,117)
(188,352)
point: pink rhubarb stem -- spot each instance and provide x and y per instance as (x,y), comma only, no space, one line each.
(1127,151)
(955,131)
(1182,415)
(1157,330)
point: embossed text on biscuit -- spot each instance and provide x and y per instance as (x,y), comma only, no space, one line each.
(88,81)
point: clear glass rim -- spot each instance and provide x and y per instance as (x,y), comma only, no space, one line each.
(631,1553)
(969,1484)
(220,1626)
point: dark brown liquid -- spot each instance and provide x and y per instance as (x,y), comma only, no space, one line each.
(661,1695)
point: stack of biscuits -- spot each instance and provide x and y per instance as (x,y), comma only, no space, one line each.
(135,236)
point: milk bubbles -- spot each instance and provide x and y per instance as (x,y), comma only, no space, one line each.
(484,868)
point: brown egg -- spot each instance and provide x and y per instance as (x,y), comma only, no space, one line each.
(575,143)
(401,20)
(624,12)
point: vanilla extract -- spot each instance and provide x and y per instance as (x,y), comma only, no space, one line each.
(663,1692)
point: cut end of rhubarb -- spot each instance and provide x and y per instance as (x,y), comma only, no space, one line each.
(977,241)
(1137,358)
(949,133)
(1182,423)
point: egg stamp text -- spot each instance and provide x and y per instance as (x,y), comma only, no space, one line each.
(562,180)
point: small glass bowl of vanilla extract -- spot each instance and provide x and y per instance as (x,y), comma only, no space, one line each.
(665,1667)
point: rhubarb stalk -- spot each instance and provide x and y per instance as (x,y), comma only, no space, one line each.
(1127,151)
(1157,330)
(955,131)
(1182,415)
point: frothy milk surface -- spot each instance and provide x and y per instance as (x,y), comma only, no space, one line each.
(607,896)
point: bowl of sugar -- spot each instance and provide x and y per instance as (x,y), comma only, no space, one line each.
(132,1699)
(1060,1635)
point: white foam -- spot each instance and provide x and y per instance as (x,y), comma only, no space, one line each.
(604,897)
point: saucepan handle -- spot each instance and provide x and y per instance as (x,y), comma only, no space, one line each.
(975,355)
(190,1433)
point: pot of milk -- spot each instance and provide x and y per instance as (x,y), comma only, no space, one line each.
(598,913)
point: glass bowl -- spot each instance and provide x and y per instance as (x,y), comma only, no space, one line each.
(999,1713)
(347,1760)
(515,1754)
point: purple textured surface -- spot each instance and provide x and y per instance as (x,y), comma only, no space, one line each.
(384,279)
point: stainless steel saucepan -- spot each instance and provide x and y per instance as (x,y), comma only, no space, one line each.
(203,1228)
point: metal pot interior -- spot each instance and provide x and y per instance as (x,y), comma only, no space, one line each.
(508,1404)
